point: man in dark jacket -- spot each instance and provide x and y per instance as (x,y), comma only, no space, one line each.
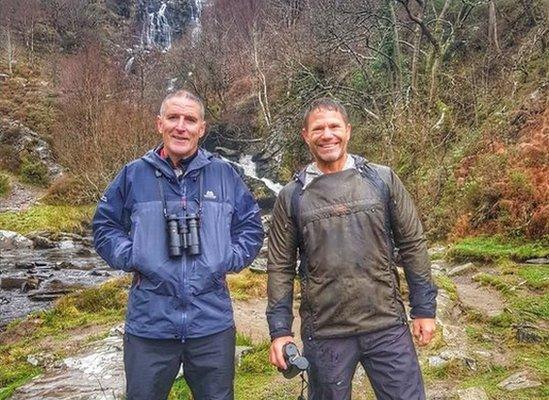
(179,309)
(347,217)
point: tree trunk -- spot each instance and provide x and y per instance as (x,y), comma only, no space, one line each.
(493,26)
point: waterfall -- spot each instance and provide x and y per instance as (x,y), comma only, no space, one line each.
(249,168)
(196,11)
(157,31)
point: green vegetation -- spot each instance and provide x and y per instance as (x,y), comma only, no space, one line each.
(493,248)
(51,330)
(34,172)
(50,218)
(247,285)
(4,184)
(446,283)
(536,276)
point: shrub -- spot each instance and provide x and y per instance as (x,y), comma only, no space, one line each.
(4,184)
(67,190)
(34,172)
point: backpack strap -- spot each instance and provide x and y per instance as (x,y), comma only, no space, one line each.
(295,214)
(367,171)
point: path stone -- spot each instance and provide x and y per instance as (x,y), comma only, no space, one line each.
(539,261)
(520,380)
(461,269)
(483,299)
(473,393)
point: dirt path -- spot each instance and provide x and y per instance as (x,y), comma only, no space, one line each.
(20,197)
(250,319)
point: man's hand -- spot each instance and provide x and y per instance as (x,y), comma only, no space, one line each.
(423,330)
(276,356)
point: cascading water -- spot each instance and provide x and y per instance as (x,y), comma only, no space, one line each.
(157,31)
(249,167)
(196,10)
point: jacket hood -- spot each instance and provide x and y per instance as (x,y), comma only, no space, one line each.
(153,158)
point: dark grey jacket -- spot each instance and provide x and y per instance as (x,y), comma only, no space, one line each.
(347,227)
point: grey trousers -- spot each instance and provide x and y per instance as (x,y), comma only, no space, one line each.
(152,365)
(388,357)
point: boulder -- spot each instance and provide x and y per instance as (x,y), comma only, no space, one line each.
(13,241)
(473,393)
(461,269)
(518,381)
(41,242)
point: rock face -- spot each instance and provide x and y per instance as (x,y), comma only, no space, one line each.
(22,140)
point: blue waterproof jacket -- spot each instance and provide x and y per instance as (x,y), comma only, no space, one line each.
(184,297)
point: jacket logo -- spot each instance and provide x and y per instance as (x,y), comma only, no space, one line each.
(210,195)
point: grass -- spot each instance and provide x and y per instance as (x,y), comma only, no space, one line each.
(444,282)
(49,331)
(47,218)
(536,276)
(247,285)
(493,248)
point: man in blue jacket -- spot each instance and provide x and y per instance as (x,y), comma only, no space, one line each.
(179,309)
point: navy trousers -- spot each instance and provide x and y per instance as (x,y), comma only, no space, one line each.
(152,365)
(388,357)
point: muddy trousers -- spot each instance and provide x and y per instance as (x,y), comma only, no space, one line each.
(152,365)
(388,357)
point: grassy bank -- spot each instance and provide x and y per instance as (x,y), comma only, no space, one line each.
(48,218)
(493,248)
(58,331)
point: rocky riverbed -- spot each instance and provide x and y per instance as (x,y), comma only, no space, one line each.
(38,268)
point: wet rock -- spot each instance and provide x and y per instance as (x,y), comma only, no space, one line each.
(41,242)
(66,265)
(538,261)
(99,273)
(527,333)
(12,240)
(10,283)
(518,381)
(31,283)
(66,245)
(84,252)
(473,393)
(461,269)
(25,265)
(49,295)
(231,154)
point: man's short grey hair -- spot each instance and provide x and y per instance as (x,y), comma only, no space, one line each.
(186,94)
(324,103)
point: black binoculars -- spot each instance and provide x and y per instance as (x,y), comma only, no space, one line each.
(295,362)
(183,235)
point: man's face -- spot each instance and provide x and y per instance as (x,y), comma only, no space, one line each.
(327,135)
(181,125)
